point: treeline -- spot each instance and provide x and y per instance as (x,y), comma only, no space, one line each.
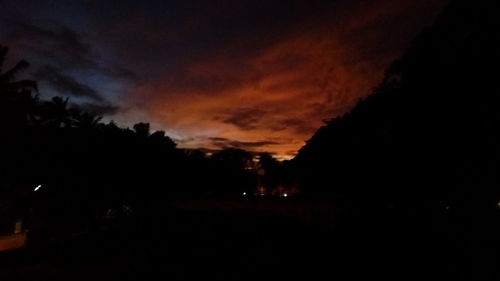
(84,164)
(429,132)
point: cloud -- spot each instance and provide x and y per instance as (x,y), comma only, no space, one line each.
(65,84)
(228,143)
(245,118)
(254,74)
(298,125)
(120,72)
(65,50)
(99,109)
(53,41)
(283,87)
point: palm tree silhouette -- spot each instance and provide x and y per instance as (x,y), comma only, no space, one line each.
(56,114)
(17,105)
(7,83)
(85,120)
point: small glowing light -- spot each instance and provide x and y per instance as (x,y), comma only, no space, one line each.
(38,187)
(285,195)
(244,193)
(498,204)
(447,207)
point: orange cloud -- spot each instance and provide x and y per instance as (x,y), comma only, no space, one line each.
(274,98)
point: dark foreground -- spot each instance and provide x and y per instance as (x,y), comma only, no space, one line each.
(208,239)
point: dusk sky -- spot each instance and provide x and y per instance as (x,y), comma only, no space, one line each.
(257,75)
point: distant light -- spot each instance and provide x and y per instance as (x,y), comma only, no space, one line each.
(498,204)
(38,187)
(244,193)
(285,195)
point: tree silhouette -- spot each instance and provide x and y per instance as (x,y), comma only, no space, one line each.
(85,120)
(55,113)
(7,78)
(234,172)
(16,102)
(142,129)
(428,133)
(268,170)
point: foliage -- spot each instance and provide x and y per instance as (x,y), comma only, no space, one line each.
(429,131)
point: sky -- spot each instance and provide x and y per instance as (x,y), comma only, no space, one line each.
(256,75)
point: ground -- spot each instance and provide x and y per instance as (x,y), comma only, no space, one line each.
(227,239)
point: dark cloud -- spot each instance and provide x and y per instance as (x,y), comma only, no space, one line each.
(229,143)
(51,40)
(65,84)
(120,72)
(299,125)
(216,139)
(56,44)
(99,109)
(245,118)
